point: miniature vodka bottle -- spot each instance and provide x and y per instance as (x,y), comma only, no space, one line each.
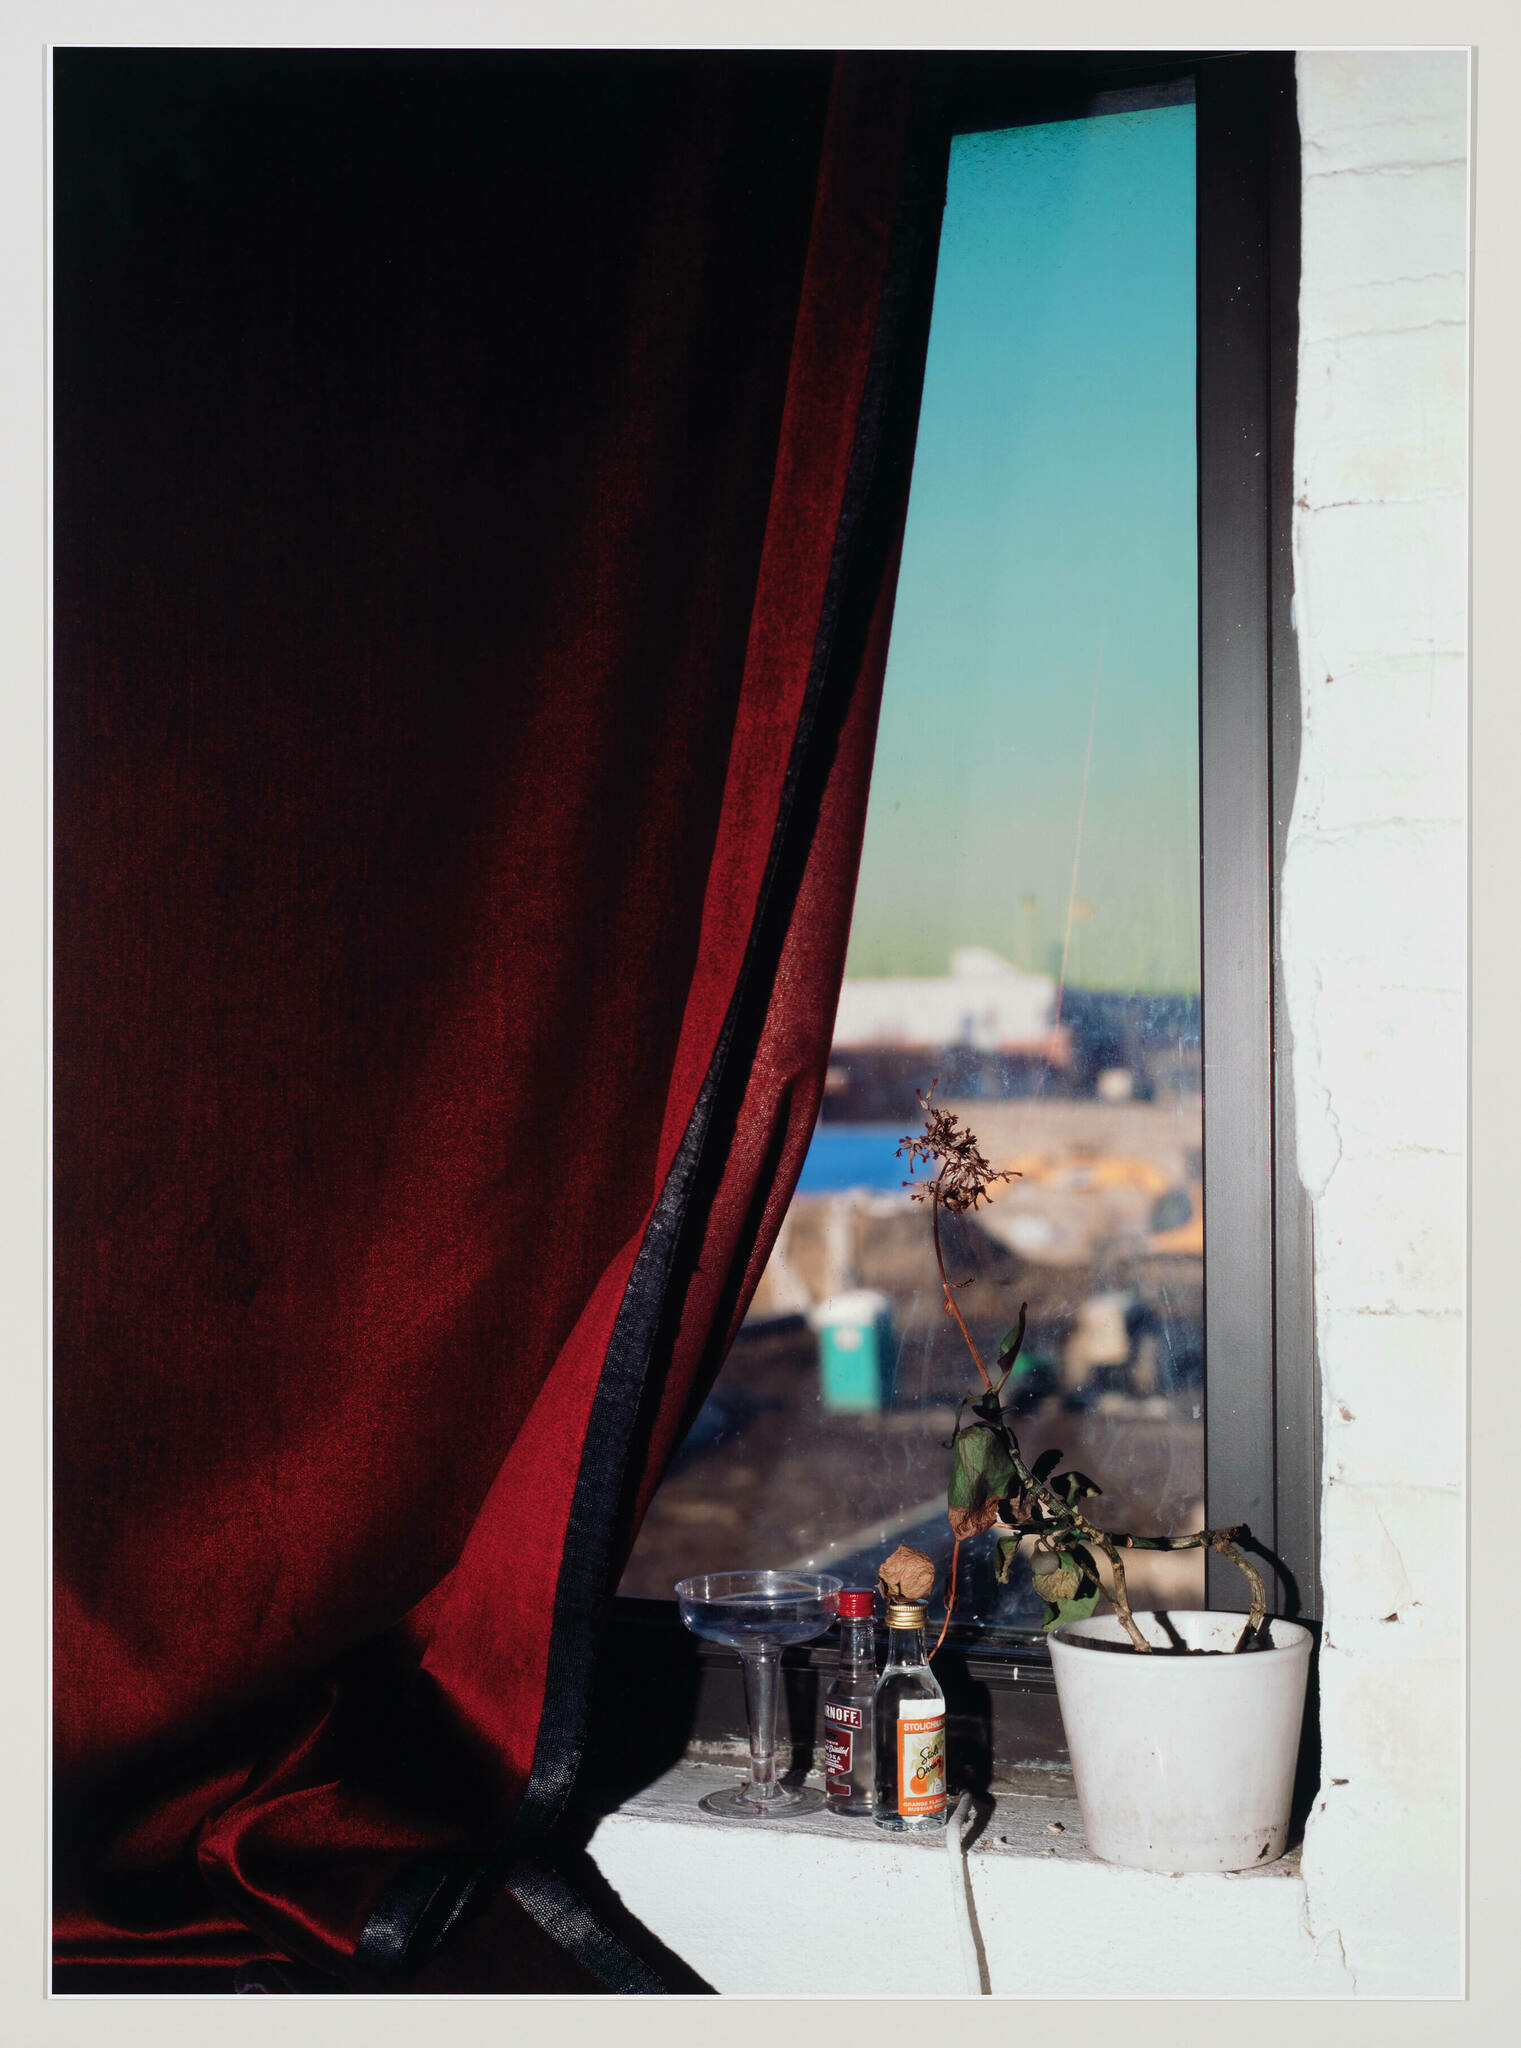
(847,1709)
(908,1792)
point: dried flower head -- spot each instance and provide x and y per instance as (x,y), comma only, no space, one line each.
(964,1176)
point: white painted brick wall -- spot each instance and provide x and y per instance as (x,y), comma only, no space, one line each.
(1374,958)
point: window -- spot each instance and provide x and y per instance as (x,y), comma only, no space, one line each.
(1092,725)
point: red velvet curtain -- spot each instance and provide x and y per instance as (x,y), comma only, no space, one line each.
(476,503)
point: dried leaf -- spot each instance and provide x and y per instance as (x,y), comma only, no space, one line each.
(972,1521)
(1061,1584)
(906,1575)
(1069,1593)
(981,1469)
(1008,1550)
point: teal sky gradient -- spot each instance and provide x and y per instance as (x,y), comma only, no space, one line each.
(1051,545)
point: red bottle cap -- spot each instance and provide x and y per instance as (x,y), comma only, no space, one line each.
(856,1604)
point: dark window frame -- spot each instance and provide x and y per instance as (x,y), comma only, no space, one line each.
(1261,1402)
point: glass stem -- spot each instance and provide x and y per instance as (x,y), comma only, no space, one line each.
(761,1669)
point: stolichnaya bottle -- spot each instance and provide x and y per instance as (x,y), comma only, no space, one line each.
(847,1708)
(908,1708)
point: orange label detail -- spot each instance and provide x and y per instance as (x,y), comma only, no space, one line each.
(921,1765)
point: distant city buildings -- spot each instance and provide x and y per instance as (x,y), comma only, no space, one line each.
(984,1002)
(990,1029)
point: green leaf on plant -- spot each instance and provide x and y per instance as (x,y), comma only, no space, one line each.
(1045,1464)
(981,1468)
(1009,1343)
(1073,1487)
(1069,1610)
(1008,1550)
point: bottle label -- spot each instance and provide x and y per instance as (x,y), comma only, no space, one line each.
(843,1724)
(921,1764)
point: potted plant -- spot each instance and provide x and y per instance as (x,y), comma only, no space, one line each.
(1183,1727)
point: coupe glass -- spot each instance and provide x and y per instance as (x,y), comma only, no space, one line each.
(759,1614)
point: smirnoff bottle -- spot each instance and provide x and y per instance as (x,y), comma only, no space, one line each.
(847,1709)
(908,1792)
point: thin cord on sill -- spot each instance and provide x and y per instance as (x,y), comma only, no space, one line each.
(972,1967)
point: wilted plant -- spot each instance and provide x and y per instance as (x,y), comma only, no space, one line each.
(991,1487)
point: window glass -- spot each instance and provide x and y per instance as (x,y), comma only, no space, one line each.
(1026,927)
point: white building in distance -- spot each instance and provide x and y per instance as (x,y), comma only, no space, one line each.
(984,1002)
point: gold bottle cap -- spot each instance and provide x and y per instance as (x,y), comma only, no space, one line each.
(907,1613)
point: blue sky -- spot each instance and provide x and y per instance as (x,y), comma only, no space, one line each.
(1051,547)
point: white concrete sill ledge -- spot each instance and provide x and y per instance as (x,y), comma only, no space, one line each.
(816,1907)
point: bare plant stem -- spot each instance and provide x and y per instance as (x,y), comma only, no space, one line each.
(1120,1596)
(1220,1543)
(949,1292)
(950,1599)
(1066,1518)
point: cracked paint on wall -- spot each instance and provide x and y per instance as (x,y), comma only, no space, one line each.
(1374,960)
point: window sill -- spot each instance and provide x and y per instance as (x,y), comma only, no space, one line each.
(814,1905)
(1033,1819)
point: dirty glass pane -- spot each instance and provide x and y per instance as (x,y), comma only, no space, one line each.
(1026,928)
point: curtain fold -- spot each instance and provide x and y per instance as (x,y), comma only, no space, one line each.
(477,488)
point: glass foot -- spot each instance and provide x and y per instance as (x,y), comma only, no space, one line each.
(738,1802)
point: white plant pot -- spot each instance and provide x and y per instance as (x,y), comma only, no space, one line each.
(1182,1763)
